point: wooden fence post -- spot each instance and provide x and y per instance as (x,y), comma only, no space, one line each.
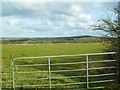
(118,51)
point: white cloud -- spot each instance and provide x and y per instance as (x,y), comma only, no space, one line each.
(71,24)
(61,0)
(66,33)
(75,10)
(71,19)
(31,1)
(84,17)
(48,18)
(27,31)
(83,25)
(14,22)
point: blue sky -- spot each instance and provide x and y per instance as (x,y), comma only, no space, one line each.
(52,19)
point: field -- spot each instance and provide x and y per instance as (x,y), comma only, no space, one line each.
(10,51)
(18,50)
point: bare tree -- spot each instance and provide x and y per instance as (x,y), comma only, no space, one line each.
(111,25)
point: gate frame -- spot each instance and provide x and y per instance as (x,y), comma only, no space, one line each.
(57,56)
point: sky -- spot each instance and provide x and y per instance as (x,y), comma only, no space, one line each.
(52,19)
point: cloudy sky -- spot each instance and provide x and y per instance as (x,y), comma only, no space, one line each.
(51,19)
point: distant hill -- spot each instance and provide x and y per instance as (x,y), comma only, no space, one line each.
(38,40)
(14,38)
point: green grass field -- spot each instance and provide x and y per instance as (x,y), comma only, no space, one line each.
(22,50)
(14,51)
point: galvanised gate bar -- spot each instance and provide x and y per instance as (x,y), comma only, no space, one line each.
(82,71)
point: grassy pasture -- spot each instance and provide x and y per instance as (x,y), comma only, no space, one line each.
(23,50)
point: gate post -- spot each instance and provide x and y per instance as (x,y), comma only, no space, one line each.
(118,60)
(118,44)
(49,73)
(12,73)
(87,71)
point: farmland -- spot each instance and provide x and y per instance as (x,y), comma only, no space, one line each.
(11,51)
(18,50)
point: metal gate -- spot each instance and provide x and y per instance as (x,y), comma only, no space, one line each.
(89,71)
